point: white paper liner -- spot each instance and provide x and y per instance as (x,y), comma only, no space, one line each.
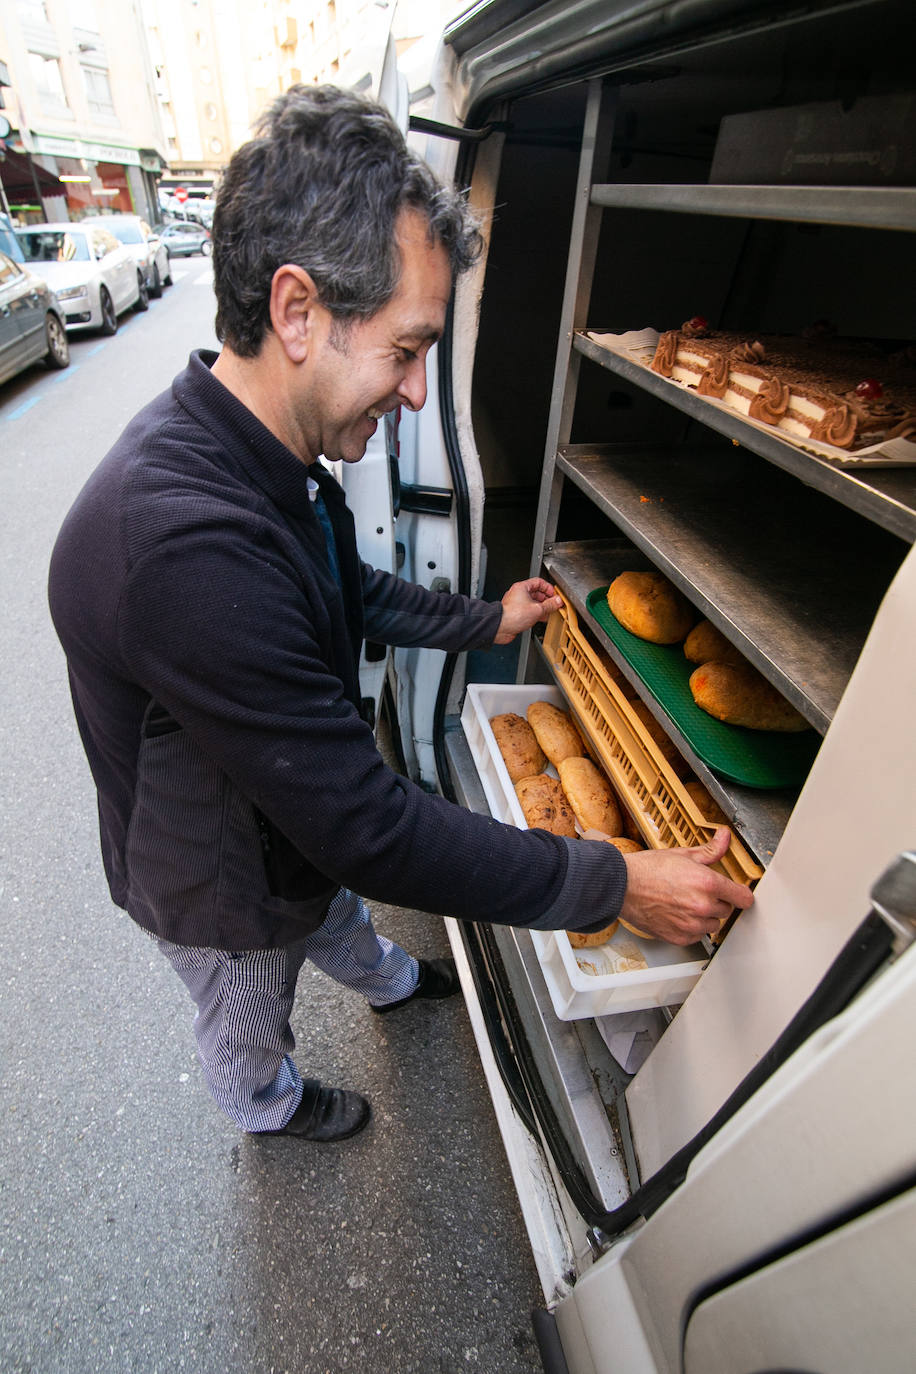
(620,954)
(639,345)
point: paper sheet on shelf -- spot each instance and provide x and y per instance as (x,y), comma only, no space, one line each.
(639,345)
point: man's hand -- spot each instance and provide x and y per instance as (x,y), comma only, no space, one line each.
(674,894)
(526,604)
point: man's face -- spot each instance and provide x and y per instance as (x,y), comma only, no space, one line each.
(360,372)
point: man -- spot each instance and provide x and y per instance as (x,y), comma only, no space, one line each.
(209,597)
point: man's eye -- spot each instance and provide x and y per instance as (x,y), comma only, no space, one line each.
(407,355)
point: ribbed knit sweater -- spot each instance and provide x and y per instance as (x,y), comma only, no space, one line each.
(213,661)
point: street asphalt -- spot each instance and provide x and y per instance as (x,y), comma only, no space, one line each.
(140,1232)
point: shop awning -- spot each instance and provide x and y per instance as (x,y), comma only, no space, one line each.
(18,182)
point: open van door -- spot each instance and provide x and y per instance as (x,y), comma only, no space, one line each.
(416,508)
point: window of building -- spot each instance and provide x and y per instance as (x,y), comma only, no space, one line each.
(49,83)
(206,76)
(32,11)
(98,91)
(210,110)
(216,145)
(83,15)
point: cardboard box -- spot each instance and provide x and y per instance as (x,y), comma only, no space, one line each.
(873,143)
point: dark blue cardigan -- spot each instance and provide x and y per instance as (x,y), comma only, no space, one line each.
(213,663)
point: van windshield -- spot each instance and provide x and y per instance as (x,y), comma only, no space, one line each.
(53,245)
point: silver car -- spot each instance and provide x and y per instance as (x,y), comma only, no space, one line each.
(94,277)
(147,247)
(31,321)
(182,238)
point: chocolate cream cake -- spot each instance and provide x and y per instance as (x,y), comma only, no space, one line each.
(836,391)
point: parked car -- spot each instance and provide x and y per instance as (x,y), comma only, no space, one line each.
(31,321)
(94,277)
(147,247)
(9,244)
(182,238)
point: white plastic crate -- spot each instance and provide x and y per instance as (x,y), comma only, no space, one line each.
(672,970)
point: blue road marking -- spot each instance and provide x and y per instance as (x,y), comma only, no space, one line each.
(95,350)
(67,372)
(26,405)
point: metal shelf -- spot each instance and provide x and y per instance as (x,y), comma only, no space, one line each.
(793,581)
(867,207)
(884,496)
(759,817)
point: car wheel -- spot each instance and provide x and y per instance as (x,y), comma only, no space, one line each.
(109,323)
(155,289)
(142,301)
(206,248)
(58,354)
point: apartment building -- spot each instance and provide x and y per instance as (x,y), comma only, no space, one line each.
(218,63)
(85,130)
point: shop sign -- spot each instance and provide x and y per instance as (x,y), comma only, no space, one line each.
(94,152)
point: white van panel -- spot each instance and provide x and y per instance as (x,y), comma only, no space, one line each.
(856,812)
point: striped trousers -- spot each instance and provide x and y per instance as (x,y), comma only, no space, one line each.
(244,1000)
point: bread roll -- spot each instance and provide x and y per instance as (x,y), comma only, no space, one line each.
(739,695)
(650,606)
(555,732)
(705,643)
(544,805)
(709,809)
(676,762)
(590,795)
(643,934)
(579,940)
(621,842)
(518,745)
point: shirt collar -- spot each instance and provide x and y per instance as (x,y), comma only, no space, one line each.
(283,477)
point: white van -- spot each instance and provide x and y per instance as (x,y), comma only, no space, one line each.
(716,1158)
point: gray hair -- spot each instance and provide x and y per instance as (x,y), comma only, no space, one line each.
(321,185)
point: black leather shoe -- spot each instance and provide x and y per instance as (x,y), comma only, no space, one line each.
(325,1114)
(438,979)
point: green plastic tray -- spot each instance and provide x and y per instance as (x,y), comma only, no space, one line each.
(757,758)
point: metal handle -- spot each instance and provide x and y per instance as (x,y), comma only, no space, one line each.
(894,899)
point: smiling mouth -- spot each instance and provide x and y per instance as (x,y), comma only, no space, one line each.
(376,414)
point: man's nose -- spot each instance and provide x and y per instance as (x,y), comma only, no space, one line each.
(412,391)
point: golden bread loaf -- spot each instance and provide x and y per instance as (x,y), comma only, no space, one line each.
(555,732)
(544,805)
(579,940)
(621,842)
(650,606)
(739,695)
(705,643)
(669,752)
(709,809)
(643,934)
(590,795)
(518,745)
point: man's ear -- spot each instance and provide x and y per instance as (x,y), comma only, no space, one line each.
(294,308)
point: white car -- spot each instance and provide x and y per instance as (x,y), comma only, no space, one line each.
(147,247)
(94,277)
